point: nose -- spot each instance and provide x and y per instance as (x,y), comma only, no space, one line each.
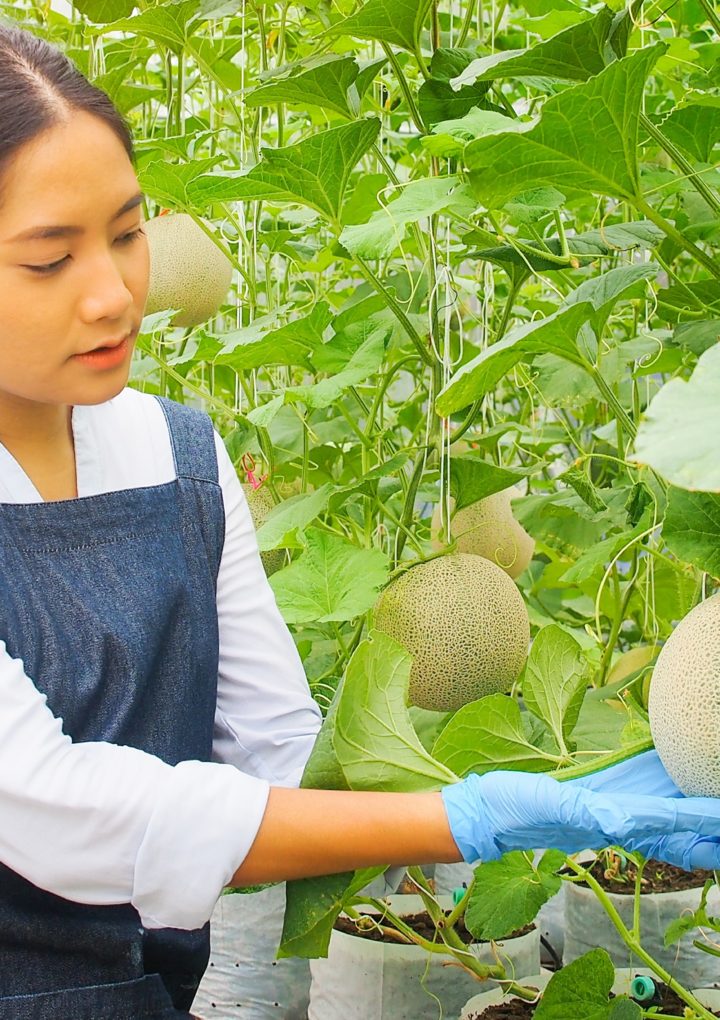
(105,293)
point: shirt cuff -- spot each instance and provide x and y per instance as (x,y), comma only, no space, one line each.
(197,837)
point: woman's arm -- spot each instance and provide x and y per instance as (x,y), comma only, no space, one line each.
(319,832)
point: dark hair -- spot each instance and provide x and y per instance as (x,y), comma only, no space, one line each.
(39,86)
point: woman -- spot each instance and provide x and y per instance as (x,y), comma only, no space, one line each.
(155,718)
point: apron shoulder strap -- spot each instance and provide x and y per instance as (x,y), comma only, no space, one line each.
(193,441)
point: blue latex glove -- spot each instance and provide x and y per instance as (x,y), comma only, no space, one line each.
(501,811)
(645,774)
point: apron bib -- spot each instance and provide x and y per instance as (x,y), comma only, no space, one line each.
(110,601)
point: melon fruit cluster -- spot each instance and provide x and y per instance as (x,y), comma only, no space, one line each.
(187,270)
(487,528)
(463,621)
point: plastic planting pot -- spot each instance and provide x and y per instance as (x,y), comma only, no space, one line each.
(364,980)
(624,978)
(587,926)
(243,980)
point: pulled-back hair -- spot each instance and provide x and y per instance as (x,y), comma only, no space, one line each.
(39,88)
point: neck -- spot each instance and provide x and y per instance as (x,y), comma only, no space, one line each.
(34,428)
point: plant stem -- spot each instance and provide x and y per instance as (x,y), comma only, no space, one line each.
(633,944)
(705,260)
(466,25)
(602,761)
(406,516)
(402,81)
(612,401)
(711,14)
(395,307)
(677,157)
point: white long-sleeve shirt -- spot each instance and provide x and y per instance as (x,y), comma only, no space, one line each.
(102,823)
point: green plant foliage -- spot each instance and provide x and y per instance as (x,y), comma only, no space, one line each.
(325,85)
(374,740)
(692,528)
(556,677)
(585,141)
(507,894)
(581,991)
(395,22)
(677,436)
(332,580)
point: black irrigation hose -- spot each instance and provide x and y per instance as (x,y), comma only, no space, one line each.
(557,962)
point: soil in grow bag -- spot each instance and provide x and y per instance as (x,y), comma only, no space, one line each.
(657,877)
(516,1009)
(420,923)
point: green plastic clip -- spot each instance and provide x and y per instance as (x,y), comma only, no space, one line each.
(458,895)
(642,988)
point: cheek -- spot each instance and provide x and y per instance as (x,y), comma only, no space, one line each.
(140,276)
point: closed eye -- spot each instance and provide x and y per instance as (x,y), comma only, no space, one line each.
(52,267)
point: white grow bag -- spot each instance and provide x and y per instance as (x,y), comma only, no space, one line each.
(587,926)
(363,980)
(243,980)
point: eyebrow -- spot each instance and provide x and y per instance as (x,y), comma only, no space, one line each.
(43,233)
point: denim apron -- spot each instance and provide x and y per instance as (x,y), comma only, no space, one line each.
(110,601)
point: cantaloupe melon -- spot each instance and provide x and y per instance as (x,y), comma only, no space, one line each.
(684,702)
(465,625)
(487,528)
(260,503)
(632,661)
(187,270)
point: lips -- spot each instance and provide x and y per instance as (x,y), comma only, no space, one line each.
(109,345)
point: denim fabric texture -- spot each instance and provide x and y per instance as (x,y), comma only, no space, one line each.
(110,601)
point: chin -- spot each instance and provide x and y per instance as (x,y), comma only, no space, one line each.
(101,390)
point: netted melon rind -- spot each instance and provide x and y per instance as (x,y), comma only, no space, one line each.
(187,270)
(684,702)
(260,503)
(487,528)
(465,625)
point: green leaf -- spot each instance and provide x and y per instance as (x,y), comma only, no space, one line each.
(556,676)
(572,55)
(694,126)
(323,771)
(472,478)
(313,172)
(691,528)
(507,894)
(583,248)
(374,739)
(678,434)
(396,22)
(586,140)
(449,137)
(366,360)
(170,24)
(604,291)
(324,85)
(557,334)
(169,183)
(580,481)
(697,336)
(259,344)
(580,991)
(332,580)
(292,515)
(437,99)
(385,229)
(601,553)
(103,11)
(486,735)
(312,907)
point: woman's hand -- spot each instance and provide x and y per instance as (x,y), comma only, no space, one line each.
(636,807)
(645,774)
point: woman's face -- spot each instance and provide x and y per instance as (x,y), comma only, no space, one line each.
(85,286)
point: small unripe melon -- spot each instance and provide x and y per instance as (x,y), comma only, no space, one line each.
(465,625)
(187,270)
(684,702)
(632,661)
(260,503)
(487,528)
